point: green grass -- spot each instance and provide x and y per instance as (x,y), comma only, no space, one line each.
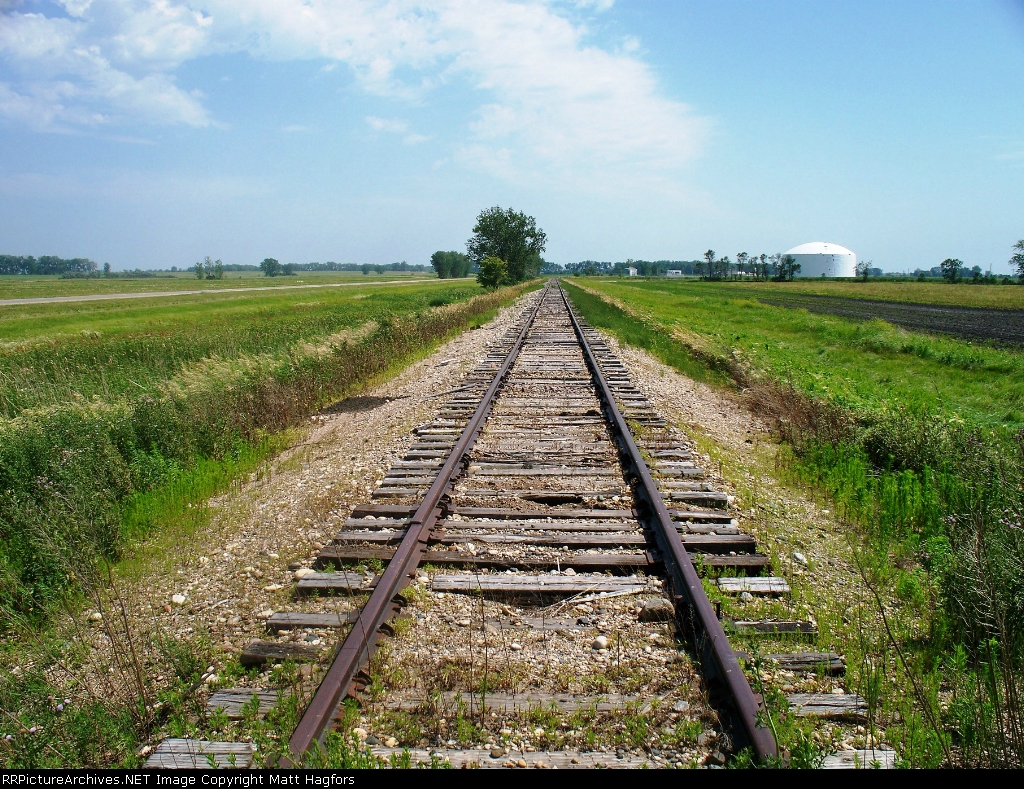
(55,353)
(25,287)
(863,367)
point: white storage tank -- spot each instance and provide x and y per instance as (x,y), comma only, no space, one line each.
(819,258)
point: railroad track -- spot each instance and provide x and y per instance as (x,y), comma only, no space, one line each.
(544,521)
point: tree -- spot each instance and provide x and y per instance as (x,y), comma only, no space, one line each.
(511,236)
(709,263)
(952,269)
(450,264)
(270,267)
(741,262)
(786,268)
(723,266)
(366,268)
(493,272)
(198,269)
(862,269)
(1017,261)
(218,269)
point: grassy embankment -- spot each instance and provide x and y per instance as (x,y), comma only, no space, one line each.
(918,441)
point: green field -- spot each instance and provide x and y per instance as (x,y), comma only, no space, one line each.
(862,366)
(53,353)
(1006,297)
(25,287)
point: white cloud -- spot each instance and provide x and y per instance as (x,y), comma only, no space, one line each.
(552,105)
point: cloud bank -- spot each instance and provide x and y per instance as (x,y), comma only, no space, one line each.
(550,102)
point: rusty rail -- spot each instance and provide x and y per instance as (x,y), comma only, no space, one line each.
(355,650)
(717,657)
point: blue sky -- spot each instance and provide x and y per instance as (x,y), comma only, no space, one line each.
(151,134)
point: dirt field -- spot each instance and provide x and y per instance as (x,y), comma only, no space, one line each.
(972,323)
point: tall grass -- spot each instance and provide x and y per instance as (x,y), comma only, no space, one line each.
(69,470)
(936,491)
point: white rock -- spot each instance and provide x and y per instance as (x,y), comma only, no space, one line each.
(570,571)
(601,642)
(360,733)
(273,588)
(799,558)
(302,572)
(96,616)
(265,614)
(178,599)
(390,742)
(516,646)
(211,679)
(746,597)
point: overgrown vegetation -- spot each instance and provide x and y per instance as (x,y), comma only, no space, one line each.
(920,443)
(128,411)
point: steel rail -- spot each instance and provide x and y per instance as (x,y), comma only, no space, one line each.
(356,648)
(712,644)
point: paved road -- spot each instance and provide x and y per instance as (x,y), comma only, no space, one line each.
(971,323)
(207,291)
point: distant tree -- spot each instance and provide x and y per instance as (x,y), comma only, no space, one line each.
(270,267)
(218,269)
(493,272)
(511,236)
(106,269)
(723,266)
(975,274)
(288,269)
(952,269)
(198,269)
(1017,261)
(863,269)
(366,268)
(708,268)
(786,268)
(741,262)
(450,265)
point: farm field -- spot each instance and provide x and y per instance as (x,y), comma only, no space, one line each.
(860,365)
(25,287)
(1005,297)
(970,323)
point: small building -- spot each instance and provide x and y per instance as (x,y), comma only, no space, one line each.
(632,271)
(822,259)
(673,272)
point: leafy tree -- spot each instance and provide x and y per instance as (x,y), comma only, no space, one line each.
(863,269)
(493,272)
(218,269)
(952,269)
(786,268)
(198,269)
(270,267)
(709,263)
(451,264)
(106,269)
(288,269)
(511,236)
(723,266)
(366,268)
(1017,261)
(741,262)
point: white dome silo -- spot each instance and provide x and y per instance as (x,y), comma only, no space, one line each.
(820,258)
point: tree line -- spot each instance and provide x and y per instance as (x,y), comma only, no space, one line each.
(45,265)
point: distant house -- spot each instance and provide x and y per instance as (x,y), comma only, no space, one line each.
(632,271)
(673,272)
